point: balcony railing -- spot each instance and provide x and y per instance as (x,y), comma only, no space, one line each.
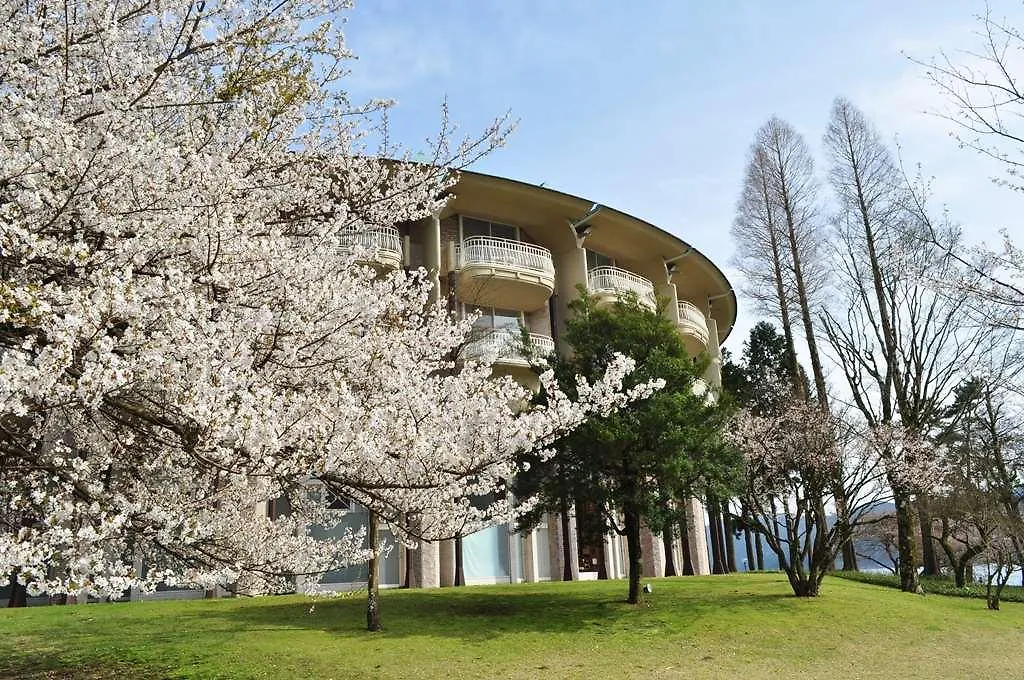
(693,321)
(384,242)
(502,252)
(510,347)
(615,281)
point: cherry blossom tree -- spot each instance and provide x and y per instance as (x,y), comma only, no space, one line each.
(793,452)
(185,332)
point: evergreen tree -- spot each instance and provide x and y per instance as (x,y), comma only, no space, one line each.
(638,464)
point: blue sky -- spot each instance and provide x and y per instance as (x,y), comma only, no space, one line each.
(650,107)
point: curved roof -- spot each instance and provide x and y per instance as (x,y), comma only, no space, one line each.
(614,232)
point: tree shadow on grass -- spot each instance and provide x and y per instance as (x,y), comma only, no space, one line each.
(479,613)
(138,640)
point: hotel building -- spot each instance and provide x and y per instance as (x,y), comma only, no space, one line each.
(515,253)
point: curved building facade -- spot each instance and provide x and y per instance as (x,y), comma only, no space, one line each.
(515,253)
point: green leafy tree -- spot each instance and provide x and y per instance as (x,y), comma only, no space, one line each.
(635,465)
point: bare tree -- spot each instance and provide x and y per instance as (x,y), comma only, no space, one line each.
(902,344)
(986,106)
(780,245)
(760,255)
(778,237)
(871,196)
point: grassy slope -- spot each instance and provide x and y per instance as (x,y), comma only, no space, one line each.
(711,627)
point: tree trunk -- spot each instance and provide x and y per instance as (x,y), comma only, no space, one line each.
(905,533)
(729,538)
(715,526)
(19,593)
(843,516)
(670,553)
(960,568)
(602,562)
(460,574)
(632,520)
(807,587)
(759,551)
(372,585)
(407,577)
(748,546)
(928,558)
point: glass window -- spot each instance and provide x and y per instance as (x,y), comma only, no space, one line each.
(595,259)
(475,227)
(496,319)
(472,226)
(507,319)
(504,231)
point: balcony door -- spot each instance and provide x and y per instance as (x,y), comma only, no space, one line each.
(596,259)
(494,320)
(472,226)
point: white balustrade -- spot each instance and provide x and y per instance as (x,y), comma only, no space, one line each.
(502,252)
(385,242)
(693,321)
(615,281)
(508,346)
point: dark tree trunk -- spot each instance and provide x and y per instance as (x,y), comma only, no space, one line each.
(632,520)
(684,542)
(759,551)
(776,529)
(602,563)
(807,587)
(670,553)
(924,520)
(748,546)
(566,544)
(19,593)
(729,534)
(843,516)
(720,528)
(960,568)
(905,533)
(460,574)
(407,577)
(372,585)
(715,527)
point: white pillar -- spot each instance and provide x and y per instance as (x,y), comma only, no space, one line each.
(696,536)
(653,552)
(446,563)
(530,565)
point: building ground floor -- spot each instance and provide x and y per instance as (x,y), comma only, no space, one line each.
(553,551)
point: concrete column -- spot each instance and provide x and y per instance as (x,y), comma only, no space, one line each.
(653,552)
(713,374)
(446,563)
(530,565)
(695,533)
(555,543)
(668,291)
(425,565)
(611,555)
(570,270)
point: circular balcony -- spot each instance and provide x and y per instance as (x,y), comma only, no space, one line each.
(498,272)
(508,348)
(608,284)
(694,327)
(378,247)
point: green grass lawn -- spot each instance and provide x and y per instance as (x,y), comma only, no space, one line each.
(742,626)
